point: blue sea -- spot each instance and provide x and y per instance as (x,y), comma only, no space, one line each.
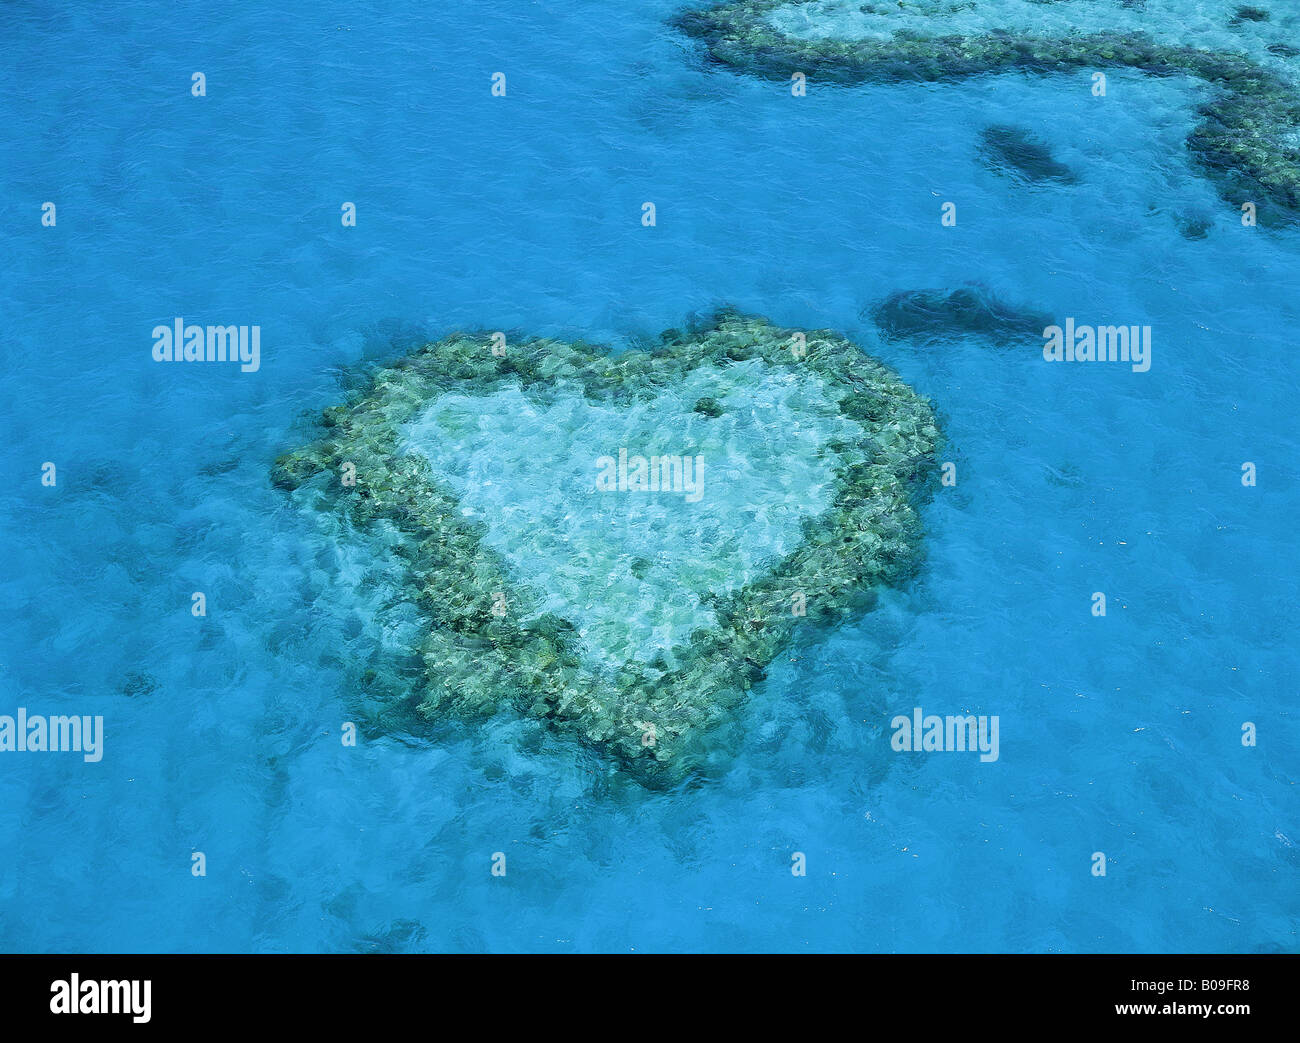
(1120,735)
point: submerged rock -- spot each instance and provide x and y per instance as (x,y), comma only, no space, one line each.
(933,316)
(1249,14)
(619,544)
(1245,140)
(1194,225)
(138,684)
(1016,151)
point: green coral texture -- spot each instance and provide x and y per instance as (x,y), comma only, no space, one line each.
(1246,140)
(641,634)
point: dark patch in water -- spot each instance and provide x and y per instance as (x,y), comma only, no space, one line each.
(398,937)
(1249,14)
(932,316)
(1194,226)
(137,684)
(1014,149)
(219,467)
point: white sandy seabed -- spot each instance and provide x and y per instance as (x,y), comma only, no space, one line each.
(629,568)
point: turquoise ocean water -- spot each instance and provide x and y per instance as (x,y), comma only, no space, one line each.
(1119,735)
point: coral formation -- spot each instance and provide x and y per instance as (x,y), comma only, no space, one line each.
(478,471)
(1244,142)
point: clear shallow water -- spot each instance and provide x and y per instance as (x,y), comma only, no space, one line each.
(629,569)
(523,213)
